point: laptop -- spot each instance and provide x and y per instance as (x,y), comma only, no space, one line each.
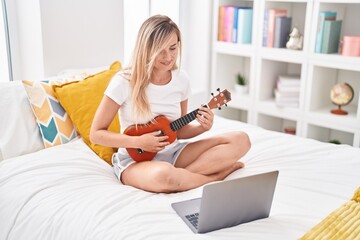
(229,203)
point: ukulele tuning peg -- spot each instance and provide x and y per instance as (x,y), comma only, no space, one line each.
(225,105)
(218,89)
(212,94)
(219,108)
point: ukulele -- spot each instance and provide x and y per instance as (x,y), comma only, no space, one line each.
(169,128)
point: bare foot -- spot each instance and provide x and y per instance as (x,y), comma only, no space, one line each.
(223,174)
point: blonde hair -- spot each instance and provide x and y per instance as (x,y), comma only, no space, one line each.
(154,33)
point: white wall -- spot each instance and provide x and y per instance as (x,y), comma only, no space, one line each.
(195,22)
(81,33)
(170,8)
(90,33)
(48,36)
(134,16)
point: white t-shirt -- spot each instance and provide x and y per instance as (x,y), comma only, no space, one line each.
(164,99)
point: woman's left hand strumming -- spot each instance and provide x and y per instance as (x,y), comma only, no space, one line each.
(205,117)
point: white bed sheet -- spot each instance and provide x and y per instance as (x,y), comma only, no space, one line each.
(67,192)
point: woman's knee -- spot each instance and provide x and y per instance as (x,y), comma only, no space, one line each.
(242,141)
(150,176)
(165,178)
(160,177)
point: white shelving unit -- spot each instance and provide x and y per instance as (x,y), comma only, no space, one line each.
(261,66)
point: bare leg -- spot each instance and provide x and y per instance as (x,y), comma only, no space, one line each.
(214,154)
(163,177)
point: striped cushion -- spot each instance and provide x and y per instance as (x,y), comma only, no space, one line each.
(343,223)
(54,123)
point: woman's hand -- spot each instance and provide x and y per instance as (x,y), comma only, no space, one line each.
(205,117)
(153,142)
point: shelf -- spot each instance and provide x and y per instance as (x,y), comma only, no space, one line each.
(275,123)
(227,66)
(348,13)
(335,61)
(299,12)
(288,1)
(338,1)
(324,134)
(319,103)
(283,54)
(318,73)
(234,114)
(270,72)
(240,101)
(322,116)
(269,107)
(234,49)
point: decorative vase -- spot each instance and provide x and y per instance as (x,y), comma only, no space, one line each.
(241,89)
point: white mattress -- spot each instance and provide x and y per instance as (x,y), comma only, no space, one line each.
(67,192)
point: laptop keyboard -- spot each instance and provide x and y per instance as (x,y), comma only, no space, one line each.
(193,219)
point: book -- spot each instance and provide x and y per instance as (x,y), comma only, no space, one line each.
(289,80)
(228,23)
(265,27)
(323,16)
(282,30)
(289,89)
(235,26)
(291,96)
(221,23)
(288,84)
(331,36)
(244,25)
(286,96)
(287,104)
(273,13)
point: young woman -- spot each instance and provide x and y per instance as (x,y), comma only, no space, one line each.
(152,85)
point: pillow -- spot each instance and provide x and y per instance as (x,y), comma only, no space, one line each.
(19,131)
(81,99)
(79,71)
(343,223)
(54,123)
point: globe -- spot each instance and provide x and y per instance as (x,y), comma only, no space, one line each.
(341,94)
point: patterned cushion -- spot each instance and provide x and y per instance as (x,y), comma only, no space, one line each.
(55,125)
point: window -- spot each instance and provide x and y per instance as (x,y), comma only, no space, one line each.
(134,16)
(5,69)
(169,8)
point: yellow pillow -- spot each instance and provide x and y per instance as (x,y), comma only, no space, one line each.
(343,223)
(81,100)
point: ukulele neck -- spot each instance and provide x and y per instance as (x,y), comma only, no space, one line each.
(184,120)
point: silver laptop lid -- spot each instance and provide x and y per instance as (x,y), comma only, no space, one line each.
(229,203)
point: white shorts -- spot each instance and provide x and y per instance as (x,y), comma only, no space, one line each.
(121,160)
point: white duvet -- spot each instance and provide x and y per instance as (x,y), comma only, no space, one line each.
(67,192)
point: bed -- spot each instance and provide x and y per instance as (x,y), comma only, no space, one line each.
(68,192)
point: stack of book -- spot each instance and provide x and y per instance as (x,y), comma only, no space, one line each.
(328,33)
(235,24)
(287,91)
(276,29)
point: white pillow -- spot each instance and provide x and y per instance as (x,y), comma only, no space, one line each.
(84,72)
(19,132)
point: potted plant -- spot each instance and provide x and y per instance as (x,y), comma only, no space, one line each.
(240,86)
(334,141)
